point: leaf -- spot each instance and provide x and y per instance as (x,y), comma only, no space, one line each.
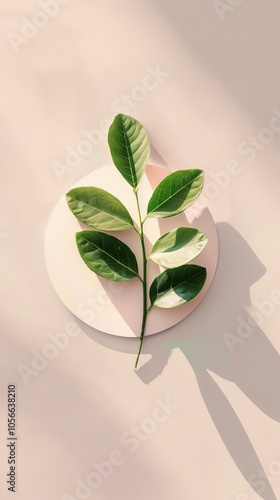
(178,247)
(176,193)
(107,256)
(130,148)
(176,286)
(99,209)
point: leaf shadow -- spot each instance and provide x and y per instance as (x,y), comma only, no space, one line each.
(252,363)
(120,294)
(211,341)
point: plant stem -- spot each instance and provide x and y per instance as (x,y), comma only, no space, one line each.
(144,281)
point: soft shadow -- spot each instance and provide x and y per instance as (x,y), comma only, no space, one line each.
(156,158)
(221,338)
(218,337)
(240,51)
(126,296)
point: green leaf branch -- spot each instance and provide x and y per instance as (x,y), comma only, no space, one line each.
(112,259)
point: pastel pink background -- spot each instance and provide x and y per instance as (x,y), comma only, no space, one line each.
(202,86)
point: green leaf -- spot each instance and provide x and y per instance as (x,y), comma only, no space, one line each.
(176,286)
(107,256)
(176,193)
(178,247)
(130,148)
(99,209)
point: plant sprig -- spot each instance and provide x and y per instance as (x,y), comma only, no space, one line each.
(112,259)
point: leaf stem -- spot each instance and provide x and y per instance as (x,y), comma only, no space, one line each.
(136,230)
(144,281)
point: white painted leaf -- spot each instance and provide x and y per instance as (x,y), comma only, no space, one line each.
(178,247)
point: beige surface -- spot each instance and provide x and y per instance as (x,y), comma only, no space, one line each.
(202,81)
